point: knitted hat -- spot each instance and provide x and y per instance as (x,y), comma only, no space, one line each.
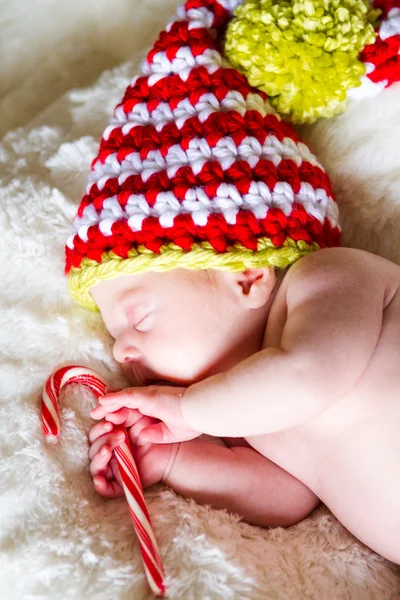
(196,170)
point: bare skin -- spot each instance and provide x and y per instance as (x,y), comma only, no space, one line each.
(339,439)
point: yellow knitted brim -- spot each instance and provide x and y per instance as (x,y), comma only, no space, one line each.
(201,256)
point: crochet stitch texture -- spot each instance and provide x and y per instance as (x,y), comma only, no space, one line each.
(304,54)
(312,56)
(196,170)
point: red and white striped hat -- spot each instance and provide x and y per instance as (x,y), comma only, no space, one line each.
(196,170)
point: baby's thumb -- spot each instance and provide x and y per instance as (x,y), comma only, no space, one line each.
(155,434)
(106,488)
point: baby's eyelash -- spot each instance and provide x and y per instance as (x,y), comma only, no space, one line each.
(140,322)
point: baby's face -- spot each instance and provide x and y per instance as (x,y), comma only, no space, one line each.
(178,326)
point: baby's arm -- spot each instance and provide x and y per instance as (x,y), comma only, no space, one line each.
(240,480)
(334,318)
(237,479)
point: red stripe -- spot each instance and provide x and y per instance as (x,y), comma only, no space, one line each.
(173,89)
(53,388)
(143,535)
(386,5)
(384,54)
(389,71)
(209,178)
(51,423)
(53,394)
(381,51)
(298,225)
(153,569)
(221,15)
(125,478)
(180,36)
(98,388)
(128,465)
(145,138)
(138,495)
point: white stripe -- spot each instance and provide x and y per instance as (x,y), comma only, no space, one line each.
(367,89)
(182,64)
(124,461)
(163,114)
(50,406)
(391,25)
(369,68)
(74,372)
(230,5)
(227,201)
(198,153)
(200,17)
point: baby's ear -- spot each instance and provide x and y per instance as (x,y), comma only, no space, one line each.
(255,286)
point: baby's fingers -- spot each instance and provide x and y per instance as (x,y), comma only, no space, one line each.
(113,439)
(125,416)
(104,481)
(100,463)
(156,434)
(134,431)
(109,489)
(99,429)
(99,412)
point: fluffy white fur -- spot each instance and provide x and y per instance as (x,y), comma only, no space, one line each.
(59,539)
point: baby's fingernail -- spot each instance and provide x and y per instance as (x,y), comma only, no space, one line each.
(104,451)
(107,426)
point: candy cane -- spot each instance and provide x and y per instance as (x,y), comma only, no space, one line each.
(127,467)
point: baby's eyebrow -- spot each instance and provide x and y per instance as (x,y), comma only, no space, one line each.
(128,295)
(131,301)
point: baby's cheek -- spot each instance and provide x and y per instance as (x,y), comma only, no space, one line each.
(180,349)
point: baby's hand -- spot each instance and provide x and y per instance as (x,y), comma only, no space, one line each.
(130,418)
(151,460)
(103,466)
(156,409)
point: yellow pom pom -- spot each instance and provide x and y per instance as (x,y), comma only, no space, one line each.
(302,53)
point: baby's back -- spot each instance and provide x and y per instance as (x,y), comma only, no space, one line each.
(349,455)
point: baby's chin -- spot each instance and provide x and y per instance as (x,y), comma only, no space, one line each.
(144,377)
(135,381)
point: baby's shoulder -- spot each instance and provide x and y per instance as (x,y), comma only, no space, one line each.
(340,268)
(334,260)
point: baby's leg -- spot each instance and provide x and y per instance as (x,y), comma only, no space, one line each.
(240,480)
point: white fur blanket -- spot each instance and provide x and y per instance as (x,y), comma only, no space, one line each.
(59,539)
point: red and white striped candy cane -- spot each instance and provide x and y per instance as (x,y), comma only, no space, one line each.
(130,478)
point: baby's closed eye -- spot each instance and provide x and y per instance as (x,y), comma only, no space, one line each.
(144,324)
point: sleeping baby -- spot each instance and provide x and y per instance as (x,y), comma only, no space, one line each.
(209,240)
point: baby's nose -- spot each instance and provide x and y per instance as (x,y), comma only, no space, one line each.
(125,351)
